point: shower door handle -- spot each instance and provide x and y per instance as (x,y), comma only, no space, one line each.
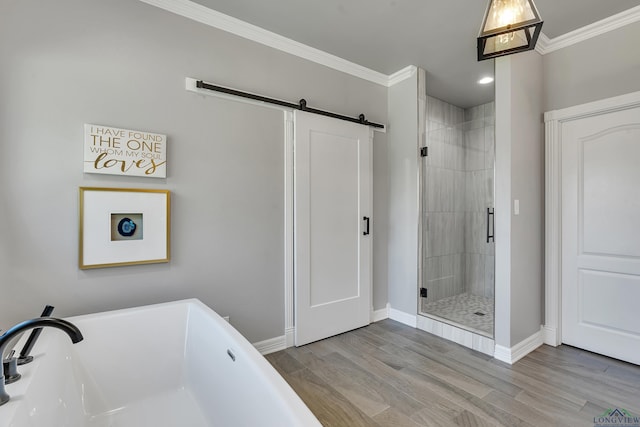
(366,220)
(490,223)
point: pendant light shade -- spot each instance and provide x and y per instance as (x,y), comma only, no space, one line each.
(509,26)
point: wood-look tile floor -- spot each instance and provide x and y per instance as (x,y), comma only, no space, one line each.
(388,374)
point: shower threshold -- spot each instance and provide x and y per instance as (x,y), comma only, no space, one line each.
(457,325)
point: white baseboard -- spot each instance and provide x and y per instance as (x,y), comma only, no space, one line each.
(402,317)
(503,354)
(381,314)
(518,351)
(271,345)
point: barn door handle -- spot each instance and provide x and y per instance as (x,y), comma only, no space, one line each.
(366,231)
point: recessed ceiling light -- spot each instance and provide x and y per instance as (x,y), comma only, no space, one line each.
(485,80)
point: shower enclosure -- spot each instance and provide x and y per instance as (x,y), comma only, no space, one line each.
(457,200)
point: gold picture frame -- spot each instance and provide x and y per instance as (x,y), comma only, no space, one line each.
(123,226)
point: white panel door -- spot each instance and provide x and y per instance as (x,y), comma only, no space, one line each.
(332,236)
(601,234)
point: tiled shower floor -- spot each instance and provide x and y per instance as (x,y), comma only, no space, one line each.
(462,309)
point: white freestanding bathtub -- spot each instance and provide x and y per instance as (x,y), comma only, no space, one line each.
(167,365)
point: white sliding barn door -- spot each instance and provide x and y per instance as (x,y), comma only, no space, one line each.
(332,198)
(600,183)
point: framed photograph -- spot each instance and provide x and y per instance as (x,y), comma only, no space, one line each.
(123,226)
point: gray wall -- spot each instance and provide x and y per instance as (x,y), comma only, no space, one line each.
(601,67)
(527,185)
(502,215)
(123,63)
(403,195)
(519,175)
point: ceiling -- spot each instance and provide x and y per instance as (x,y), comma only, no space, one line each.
(388,35)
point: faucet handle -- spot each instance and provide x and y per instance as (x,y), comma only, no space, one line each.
(10,369)
(33,337)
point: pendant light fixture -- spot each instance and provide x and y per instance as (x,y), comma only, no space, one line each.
(509,26)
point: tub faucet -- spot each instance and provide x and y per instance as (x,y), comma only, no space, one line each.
(68,327)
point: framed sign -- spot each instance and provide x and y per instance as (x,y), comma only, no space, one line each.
(116,151)
(123,226)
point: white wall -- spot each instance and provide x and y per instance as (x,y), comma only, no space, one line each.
(519,176)
(123,63)
(601,67)
(402,152)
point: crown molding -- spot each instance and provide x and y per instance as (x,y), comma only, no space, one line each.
(204,15)
(629,16)
(542,45)
(401,75)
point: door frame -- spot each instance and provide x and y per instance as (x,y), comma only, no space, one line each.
(554,121)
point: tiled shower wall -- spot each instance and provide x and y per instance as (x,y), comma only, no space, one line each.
(479,170)
(457,188)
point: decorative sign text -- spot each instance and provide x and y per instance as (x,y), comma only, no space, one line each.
(117,151)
